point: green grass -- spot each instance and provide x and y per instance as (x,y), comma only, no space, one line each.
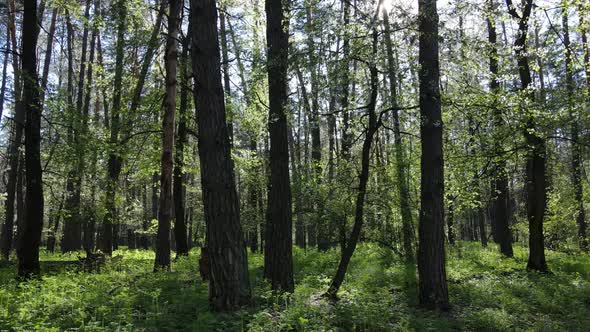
(488,293)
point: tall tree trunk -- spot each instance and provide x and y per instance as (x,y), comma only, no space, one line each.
(72,237)
(118,127)
(451,220)
(89,221)
(500,194)
(401,162)
(229,284)
(166,170)
(536,159)
(433,292)
(576,157)
(114,160)
(54,227)
(278,259)
(363,177)
(15,142)
(30,234)
(181,140)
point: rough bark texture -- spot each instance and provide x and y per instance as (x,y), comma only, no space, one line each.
(229,285)
(165,214)
(30,234)
(181,140)
(433,292)
(278,258)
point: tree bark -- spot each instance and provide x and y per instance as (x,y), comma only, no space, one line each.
(30,234)
(433,292)
(536,159)
(15,142)
(401,162)
(229,284)
(167,162)
(278,259)
(576,154)
(500,194)
(72,237)
(181,140)
(114,160)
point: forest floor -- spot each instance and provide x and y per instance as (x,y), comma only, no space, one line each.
(488,293)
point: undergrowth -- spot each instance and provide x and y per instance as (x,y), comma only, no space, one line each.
(488,293)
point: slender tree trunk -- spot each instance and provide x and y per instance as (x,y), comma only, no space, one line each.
(15,142)
(55,227)
(576,157)
(451,220)
(89,221)
(179,178)
(433,292)
(166,206)
(363,178)
(30,234)
(278,260)
(114,160)
(118,127)
(401,162)
(72,237)
(500,195)
(229,284)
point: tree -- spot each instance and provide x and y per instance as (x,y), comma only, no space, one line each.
(166,207)
(500,186)
(576,154)
(30,234)
(400,158)
(536,159)
(229,284)
(278,260)
(433,292)
(180,235)
(371,132)
(114,158)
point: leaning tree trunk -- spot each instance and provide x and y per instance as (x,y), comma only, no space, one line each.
(278,256)
(229,284)
(363,179)
(30,234)
(166,208)
(433,292)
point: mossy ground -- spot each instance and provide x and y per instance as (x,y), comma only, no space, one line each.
(488,293)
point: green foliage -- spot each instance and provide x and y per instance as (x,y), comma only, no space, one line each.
(488,293)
